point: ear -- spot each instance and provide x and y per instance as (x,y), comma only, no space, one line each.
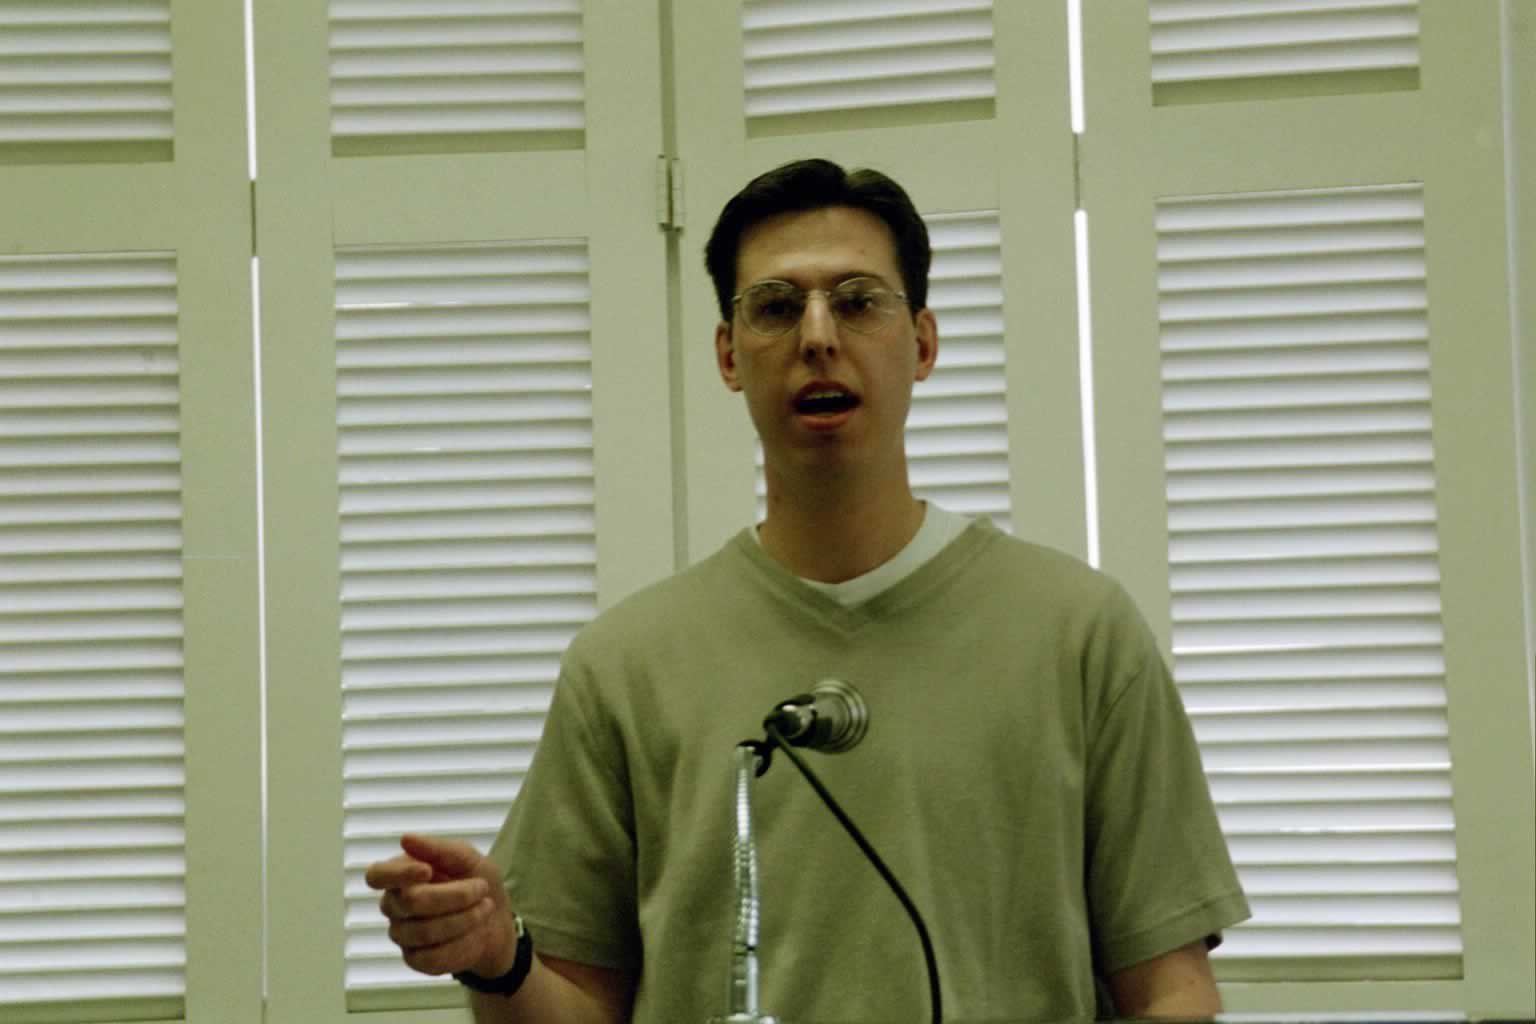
(927,331)
(725,355)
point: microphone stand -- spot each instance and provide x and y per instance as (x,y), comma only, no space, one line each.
(751,761)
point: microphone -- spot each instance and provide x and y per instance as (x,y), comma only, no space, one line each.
(831,718)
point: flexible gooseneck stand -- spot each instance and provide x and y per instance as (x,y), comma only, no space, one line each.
(833,718)
(750,761)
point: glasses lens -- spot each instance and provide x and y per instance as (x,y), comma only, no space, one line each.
(863,305)
(772,308)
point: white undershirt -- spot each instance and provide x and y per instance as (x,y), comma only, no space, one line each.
(940,526)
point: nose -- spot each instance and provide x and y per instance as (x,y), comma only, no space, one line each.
(818,328)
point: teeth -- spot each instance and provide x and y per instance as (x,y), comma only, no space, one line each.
(825,394)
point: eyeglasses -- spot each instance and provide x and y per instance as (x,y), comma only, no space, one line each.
(860,304)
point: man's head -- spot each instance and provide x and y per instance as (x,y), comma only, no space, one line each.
(829,339)
(814,185)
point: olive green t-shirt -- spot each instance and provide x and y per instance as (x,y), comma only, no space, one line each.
(1029,775)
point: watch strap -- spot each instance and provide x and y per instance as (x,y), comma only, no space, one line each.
(509,983)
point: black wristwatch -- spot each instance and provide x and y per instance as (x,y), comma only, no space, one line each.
(513,980)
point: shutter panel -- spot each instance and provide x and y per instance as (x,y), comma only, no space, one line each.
(803,56)
(467,543)
(957,432)
(91,743)
(1303,561)
(447,67)
(89,71)
(1205,40)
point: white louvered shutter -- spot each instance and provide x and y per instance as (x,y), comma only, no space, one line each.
(451,67)
(957,431)
(1214,40)
(92,834)
(87,71)
(805,56)
(1303,562)
(467,539)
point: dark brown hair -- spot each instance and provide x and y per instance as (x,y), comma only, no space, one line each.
(806,185)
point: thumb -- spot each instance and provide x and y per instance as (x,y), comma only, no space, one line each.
(449,858)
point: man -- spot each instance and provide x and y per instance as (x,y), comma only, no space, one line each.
(1029,773)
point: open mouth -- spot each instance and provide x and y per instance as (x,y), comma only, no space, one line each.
(824,401)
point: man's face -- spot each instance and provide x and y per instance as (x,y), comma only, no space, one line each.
(822,396)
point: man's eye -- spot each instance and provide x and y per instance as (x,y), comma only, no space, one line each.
(856,302)
(774,308)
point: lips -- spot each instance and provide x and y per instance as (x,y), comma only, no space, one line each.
(825,399)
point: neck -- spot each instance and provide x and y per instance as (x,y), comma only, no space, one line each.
(832,531)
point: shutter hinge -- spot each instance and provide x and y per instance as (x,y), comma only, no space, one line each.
(1077,170)
(669,194)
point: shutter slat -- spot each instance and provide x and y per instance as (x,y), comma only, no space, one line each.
(474,467)
(1341,943)
(1342,723)
(1320,574)
(497,756)
(1384,328)
(1218,35)
(511,669)
(362,591)
(1338,666)
(1354,602)
(770,14)
(1267,881)
(512,640)
(1241,425)
(1240,484)
(427,703)
(428,499)
(470,411)
(577,553)
(1297,513)
(1302,559)
(467,352)
(404,617)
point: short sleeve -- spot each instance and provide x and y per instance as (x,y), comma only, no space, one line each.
(1159,875)
(567,849)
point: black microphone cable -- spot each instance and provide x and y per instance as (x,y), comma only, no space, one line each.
(929,960)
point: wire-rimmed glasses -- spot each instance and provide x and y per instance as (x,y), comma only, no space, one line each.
(861,304)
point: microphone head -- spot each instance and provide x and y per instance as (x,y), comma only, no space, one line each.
(848,719)
(831,718)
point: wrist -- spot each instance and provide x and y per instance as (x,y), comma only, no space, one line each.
(504,972)
(499,961)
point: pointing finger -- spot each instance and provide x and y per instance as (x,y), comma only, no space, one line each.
(397,872)
(449,858)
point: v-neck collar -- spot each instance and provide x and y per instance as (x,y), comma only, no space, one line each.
(825,611)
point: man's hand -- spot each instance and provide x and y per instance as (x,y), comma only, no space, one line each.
(446,907)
